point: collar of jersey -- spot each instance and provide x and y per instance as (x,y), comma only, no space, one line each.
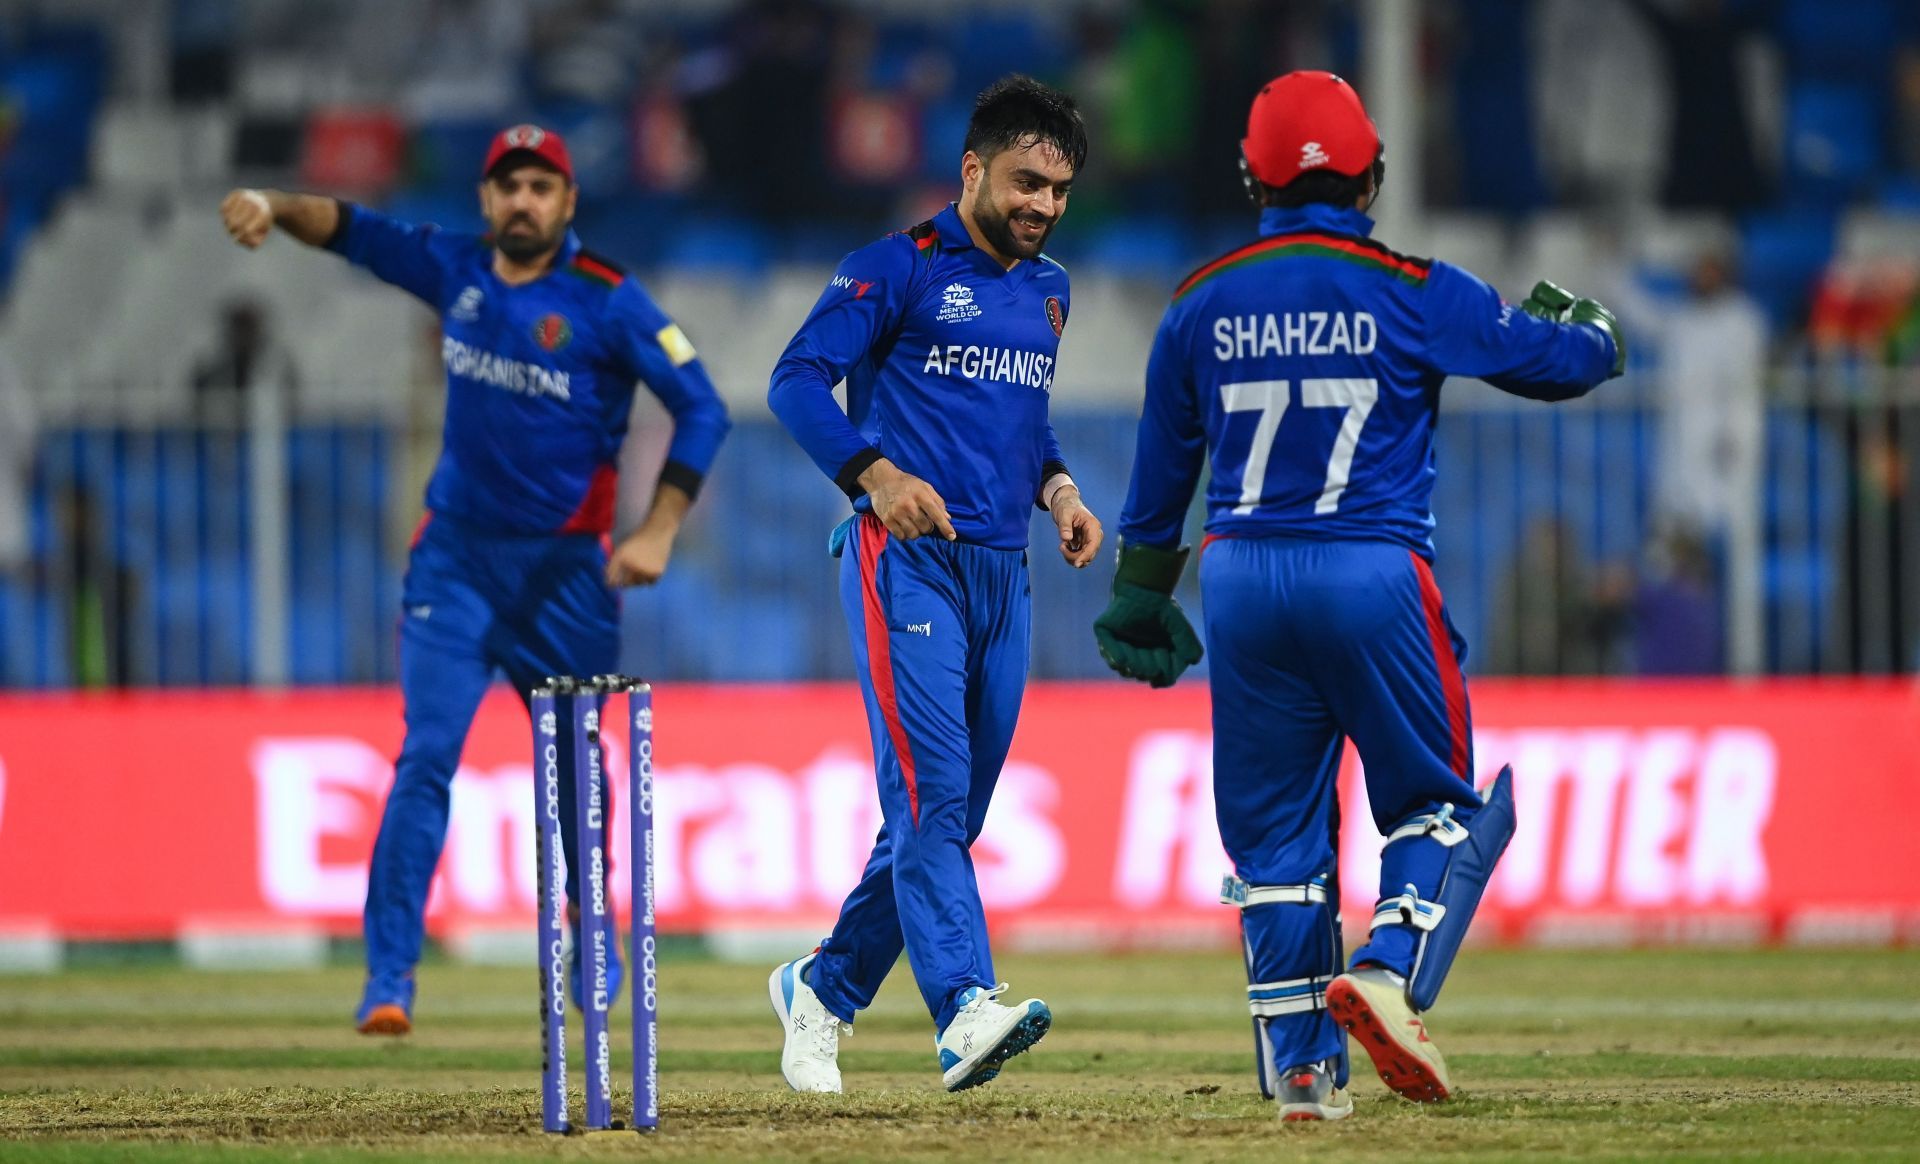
(1313,216)
(954,237)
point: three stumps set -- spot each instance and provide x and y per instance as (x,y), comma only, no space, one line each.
(567,714)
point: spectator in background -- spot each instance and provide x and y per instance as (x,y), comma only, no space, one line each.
(1678,628)
(1713,350)
(1155,105)
(759,108)
(246,355)
(464,58)
(102,594)
(1712,163)
(1490,89)
(18,433)
(1906,110)
(1242,44)
(586,50)
(1550,614)
(1600,93)
(202,57)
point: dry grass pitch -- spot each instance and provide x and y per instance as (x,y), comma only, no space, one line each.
(1643,1055)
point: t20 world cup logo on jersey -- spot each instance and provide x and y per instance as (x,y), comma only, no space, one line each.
(1056,315)
(956,304)
(552,332)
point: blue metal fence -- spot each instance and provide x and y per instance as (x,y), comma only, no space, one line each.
(1549,551)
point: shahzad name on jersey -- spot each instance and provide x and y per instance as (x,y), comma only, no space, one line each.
(1294,333)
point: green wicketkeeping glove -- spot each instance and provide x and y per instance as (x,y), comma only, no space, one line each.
(1558,305)
(1549,301)
(1143,634)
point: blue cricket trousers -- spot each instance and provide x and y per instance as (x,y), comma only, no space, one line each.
(472,603)
(940,638)
(1311,643)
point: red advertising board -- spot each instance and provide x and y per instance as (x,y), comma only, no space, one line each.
(1647,811)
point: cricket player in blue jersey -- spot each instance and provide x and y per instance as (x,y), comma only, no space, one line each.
(1307,365)
(512,568)
(945,335)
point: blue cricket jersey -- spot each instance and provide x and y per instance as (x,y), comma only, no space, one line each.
(540,377)
(1308,366)
(948,360)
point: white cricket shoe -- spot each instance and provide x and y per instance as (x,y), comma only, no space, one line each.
(983,1035)
(1371,1004)
(1307,1092)
(810,1058)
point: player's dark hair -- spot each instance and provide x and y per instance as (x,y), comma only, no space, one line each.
(1018,110)
(1314,186)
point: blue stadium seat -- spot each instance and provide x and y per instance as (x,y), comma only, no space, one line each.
(718,246)
(1781,254)
(821,244)
(898,49)
(943,135)
(629,228)
(54,86)
(1850,40)
(992,42)
(1146,248)
(598,140)
(1901,192)
(1833,141)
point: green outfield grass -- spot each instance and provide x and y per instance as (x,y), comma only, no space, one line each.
(1651,1055)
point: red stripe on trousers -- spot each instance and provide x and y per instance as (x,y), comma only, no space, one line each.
(595,512)
(873,543)
(1452,684)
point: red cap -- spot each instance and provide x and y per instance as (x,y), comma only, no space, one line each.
(1304,121)
(543,144)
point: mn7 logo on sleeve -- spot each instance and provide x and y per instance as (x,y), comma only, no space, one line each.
(849,283)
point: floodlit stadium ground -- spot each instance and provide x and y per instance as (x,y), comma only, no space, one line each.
(1789,1055)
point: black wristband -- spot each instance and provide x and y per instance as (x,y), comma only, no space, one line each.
(848,478)
(1048,471)
(345,212)
(683,477)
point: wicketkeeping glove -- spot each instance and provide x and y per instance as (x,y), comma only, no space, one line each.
(1558,305)
(1143,633)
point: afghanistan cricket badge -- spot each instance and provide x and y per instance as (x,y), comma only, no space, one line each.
(1056,315)
(553,332)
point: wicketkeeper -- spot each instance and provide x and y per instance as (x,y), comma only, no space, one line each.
(1307,365)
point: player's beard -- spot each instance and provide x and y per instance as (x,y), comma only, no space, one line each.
(530,245)
(997,226)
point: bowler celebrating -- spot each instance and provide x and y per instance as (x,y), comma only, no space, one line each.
(945,335)
(1307,365)
(542,343)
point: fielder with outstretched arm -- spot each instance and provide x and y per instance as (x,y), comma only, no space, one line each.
(1307,365)
(511,568)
